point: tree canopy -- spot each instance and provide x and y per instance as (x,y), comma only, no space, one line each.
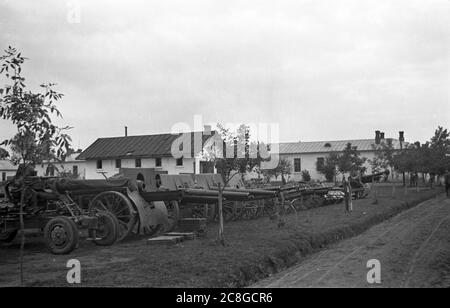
(31,113)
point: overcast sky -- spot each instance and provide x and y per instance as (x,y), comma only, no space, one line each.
(323,70)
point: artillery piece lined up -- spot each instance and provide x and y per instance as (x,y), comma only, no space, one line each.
(114,209)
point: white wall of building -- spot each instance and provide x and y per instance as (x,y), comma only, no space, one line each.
(109,166)
(308,162)
(63,167)
(4,174)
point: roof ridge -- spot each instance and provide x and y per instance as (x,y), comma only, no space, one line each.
(147,135)
(368,139)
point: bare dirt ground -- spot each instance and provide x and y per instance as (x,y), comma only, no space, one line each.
(255,249)
(413,249)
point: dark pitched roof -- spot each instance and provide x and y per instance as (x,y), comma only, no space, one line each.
(132,146)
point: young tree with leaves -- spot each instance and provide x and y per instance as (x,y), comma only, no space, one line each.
(232,154)
(31,113)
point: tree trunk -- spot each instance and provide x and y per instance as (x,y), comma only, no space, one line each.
(22,233)
(220,203)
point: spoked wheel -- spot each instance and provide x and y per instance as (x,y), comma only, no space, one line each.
(61,235)
(107,229)
(173,212)
(7,236)
(120,206)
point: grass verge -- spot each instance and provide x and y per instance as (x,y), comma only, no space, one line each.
(255,249)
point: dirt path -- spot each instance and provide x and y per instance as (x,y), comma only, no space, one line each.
(413,249)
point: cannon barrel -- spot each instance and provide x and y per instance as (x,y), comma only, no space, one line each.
(229,195)
(170,195)
(368,178)
(255,192)
(199,199)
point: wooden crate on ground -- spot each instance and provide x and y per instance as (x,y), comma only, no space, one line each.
(197,225)
(164,239)
(185,235)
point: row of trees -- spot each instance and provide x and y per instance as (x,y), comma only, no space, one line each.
(430,158)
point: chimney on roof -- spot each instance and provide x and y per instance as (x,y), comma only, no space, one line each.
(126,131)
(377,137)
(207,129)
(401,136)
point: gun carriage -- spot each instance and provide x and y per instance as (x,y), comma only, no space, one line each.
(59,208)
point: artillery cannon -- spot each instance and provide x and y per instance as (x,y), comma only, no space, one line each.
(114,209)
(359,185)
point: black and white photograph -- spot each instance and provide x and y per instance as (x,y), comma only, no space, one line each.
(224,149)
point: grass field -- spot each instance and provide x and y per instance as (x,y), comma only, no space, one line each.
(254,250)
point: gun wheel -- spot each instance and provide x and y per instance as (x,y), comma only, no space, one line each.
(7,236)
(61,235)
(120,206)
(107,229)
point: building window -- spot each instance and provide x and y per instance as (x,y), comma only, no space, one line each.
(3,176)
(158,162)
(297,165)
(99,164)
(138,163)
(320,163)
(118,163)
(180,161)
(75,170)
